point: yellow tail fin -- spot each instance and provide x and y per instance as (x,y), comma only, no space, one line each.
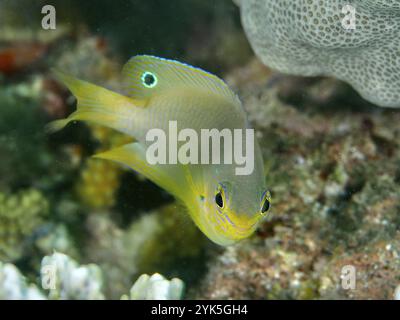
(95,104)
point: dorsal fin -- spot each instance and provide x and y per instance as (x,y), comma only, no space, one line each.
(145,76)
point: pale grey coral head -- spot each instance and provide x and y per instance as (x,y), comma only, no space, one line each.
(310,38)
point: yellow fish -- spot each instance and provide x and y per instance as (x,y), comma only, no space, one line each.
(227,207)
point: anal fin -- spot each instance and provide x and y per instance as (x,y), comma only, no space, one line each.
(169,177)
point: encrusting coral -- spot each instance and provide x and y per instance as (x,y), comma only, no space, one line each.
(310,38)
(20,215)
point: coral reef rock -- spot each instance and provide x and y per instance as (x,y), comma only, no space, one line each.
(335,181)
(315,37)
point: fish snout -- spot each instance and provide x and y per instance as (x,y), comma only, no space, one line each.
(232,228)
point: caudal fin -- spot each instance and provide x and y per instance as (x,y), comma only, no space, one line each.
(95,104)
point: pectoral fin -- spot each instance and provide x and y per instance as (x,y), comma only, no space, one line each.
(133,155)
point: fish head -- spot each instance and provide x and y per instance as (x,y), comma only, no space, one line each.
(230,211)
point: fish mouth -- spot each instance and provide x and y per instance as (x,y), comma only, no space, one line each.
(221,228)
(225,231)
(242,228)
(221,239)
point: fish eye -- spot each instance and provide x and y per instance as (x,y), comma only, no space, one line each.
(220,195)
(219,200)
(149,79)
(266,202)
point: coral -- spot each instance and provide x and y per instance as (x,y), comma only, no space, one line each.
(18,57)
(376,266)
(100,179)
(155,287)
(125,254)
(56,237)
(308,39)
(98,183)
(13,285)
(20,215)
(21,136)
(65,279)
(88,59)
(190,241)
(396,294)
(108,138)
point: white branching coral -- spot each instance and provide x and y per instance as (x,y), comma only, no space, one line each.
(156,287)
(64,279)
(13,285)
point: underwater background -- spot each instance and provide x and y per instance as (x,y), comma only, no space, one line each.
(332,164)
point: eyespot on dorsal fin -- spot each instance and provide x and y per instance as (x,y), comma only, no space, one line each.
(146,76)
